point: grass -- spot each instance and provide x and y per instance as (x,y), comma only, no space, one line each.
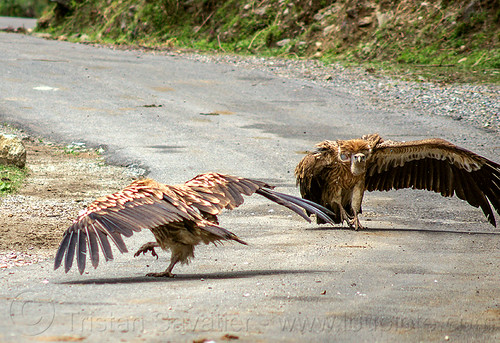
(420,40)
(23,8)
(11,178)
(70,151)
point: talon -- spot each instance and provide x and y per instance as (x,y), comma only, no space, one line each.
(352,224)
(355,224)
(148,247)
(153,252)
(348,220)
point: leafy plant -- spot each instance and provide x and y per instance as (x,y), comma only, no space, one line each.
(11,178)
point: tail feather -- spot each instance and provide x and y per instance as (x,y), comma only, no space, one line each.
(223,233)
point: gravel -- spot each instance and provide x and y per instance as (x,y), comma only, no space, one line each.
(12,259)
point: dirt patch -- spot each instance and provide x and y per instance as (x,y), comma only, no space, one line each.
(58,186)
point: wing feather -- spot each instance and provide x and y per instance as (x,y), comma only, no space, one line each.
(421,172)
(439,166)
(122,222)
(233,187)
(68,262)
(118,240)
(144,204)
(63,247)
(227,190)
(297,205)
(93,246)
(81,250)
(248,188)
(235,197)
(115,224)
(430,176)
(102,239)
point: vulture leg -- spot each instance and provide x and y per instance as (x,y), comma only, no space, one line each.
(180,253)
(344,216)
(357,199)
(168,271)
(336,199)
(148,247)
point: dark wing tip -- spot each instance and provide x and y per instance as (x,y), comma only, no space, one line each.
(275,197)
(70,253)
(63,247)
(296,204)
(81,251)
(239,240)
(82,236)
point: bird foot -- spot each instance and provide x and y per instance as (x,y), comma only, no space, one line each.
(355,224)
(148,247)
(347,218)
(162,274)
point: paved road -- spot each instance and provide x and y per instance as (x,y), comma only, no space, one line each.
(426,270)
(14,23)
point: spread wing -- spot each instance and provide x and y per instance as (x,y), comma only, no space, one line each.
(215,192)
(144,204)
(314,169)
(317,176)
(439,166)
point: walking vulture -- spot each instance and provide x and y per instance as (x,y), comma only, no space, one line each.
(337,174)
(180,217)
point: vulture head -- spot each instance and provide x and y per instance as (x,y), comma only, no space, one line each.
(354,153)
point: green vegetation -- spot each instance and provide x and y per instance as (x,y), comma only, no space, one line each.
(11,178)
(432,40)
(23,8)
(75,149)
(70,151)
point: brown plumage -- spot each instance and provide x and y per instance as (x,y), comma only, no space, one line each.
(180,217)
(337,173)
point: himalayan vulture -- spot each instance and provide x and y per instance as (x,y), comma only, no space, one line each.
(337,174)
(180,217)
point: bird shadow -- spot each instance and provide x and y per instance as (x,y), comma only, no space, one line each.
(380,229)
(189,277)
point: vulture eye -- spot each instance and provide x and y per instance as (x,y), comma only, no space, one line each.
(344,157)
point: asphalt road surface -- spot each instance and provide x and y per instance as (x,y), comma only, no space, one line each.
(427,269)
(8,23)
